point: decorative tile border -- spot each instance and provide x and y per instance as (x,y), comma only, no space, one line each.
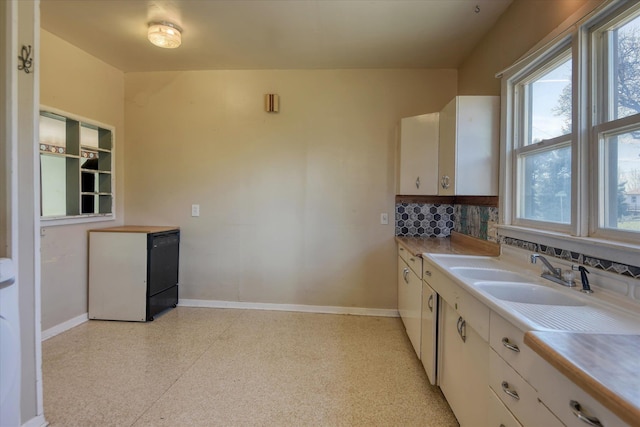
(601,264)
(424,220)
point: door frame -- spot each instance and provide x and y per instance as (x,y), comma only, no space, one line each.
(21,192)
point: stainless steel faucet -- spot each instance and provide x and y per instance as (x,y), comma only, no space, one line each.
(554,274)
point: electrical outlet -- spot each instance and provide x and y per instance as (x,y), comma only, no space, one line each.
(384,218)
(195,210)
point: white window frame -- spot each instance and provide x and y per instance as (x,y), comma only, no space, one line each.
(580,236)
(600,123)
(558,54)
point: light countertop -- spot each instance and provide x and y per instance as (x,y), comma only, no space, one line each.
(136,229)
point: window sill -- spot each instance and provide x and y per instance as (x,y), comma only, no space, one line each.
(80,219)
(621,252)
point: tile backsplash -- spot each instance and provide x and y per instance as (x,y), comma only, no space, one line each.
(437,220)
(476,221)
(424,219)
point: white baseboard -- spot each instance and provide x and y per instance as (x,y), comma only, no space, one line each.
(358,311)
(37,421)
(64,326)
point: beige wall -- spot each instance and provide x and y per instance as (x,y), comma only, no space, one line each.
(75,82)
(523,24)
(289,202)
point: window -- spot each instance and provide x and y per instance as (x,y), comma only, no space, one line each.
(543,147)
(76,167)
(573,130)
(616,48)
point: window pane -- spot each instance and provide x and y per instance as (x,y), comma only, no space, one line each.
(549,109)
(545,186)
(620,181)
(53,181)
(625,65)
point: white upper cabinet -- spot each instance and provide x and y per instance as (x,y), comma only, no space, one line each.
(419,155)
(469,141)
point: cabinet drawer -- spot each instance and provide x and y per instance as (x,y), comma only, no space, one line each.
(499,415)
(517,395)
(508,341)
(557,392)
(414,262)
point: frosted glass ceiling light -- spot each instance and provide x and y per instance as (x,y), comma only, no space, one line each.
(165,34)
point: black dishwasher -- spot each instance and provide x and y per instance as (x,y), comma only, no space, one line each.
(162,271)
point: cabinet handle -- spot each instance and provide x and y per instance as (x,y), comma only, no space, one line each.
(512,347)
(427,273)
(412,259)
(405,272)
(462,329)
(418,182)
(401,249)
(587,419)
(508,391)
(444,181)
(430,303)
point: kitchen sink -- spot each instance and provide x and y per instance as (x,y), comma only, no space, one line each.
(489,274)
(528,293)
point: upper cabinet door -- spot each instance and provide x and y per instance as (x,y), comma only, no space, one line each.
(469,143)
(418,169)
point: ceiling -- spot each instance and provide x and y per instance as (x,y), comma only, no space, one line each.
(276,34)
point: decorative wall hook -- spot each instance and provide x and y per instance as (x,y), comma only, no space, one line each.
(25,57)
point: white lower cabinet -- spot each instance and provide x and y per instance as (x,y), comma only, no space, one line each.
(428,331)
(479,359)
(410,302)
(464,367)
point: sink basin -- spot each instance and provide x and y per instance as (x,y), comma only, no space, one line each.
(527,293)
(489,274)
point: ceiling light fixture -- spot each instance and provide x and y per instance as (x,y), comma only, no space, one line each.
(165,34)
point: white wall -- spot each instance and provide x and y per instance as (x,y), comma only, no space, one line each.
(76,82)
(289,202)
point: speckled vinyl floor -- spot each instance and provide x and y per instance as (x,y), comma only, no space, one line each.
(215,367)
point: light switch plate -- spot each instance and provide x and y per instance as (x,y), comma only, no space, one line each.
(384,218)
(195,210)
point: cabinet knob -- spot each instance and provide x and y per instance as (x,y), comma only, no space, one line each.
(512,347)
(427,273)
(508,391)
(582,416)
(418,182)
